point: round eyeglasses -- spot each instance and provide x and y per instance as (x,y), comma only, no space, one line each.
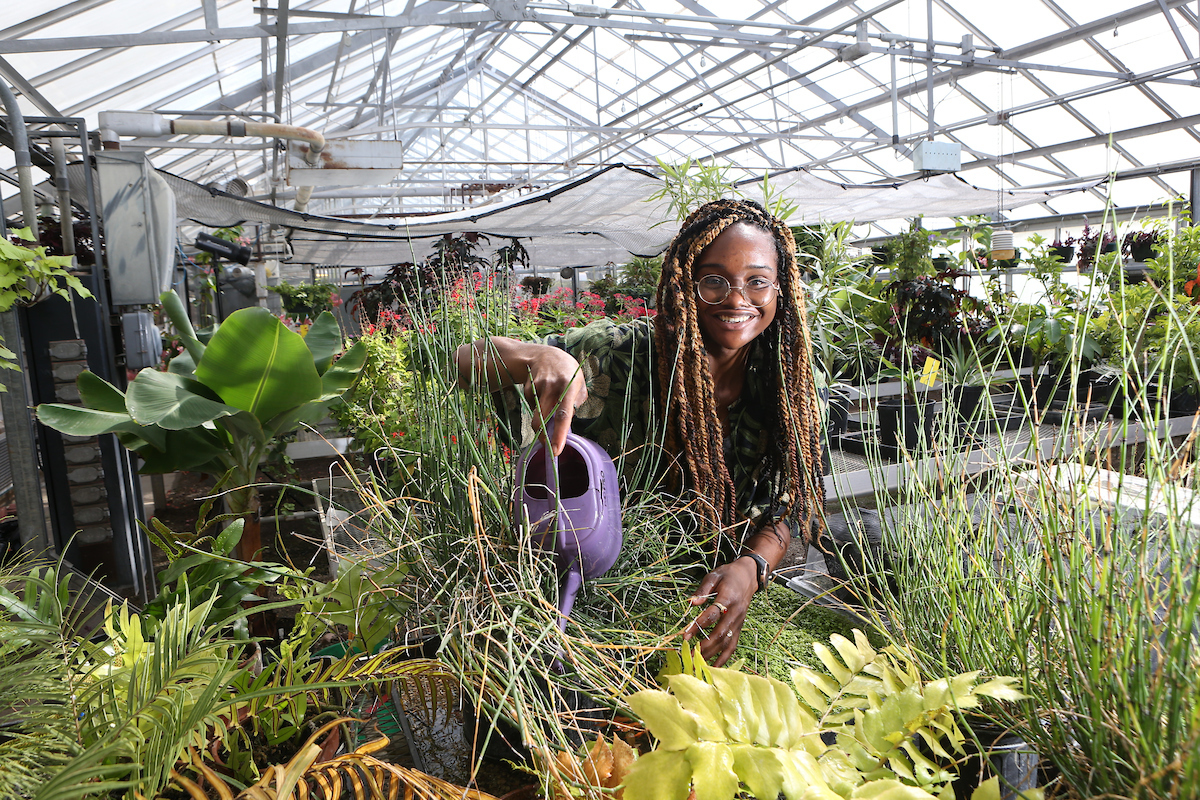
(713,289)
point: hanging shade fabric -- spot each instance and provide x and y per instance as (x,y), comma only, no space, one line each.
(603,217)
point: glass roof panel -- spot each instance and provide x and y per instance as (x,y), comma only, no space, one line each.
(544,90)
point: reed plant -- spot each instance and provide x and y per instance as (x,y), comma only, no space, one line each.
(488,597)
(1081,582)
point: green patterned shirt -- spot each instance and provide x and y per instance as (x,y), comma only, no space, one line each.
(622,416)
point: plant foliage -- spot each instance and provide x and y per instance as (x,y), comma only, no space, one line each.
(721,732)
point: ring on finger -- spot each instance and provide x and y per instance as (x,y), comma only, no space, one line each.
(724,609)
(728,634)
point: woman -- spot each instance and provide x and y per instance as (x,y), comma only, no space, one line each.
(724,372)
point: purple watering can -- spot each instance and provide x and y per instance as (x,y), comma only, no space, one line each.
(574,510)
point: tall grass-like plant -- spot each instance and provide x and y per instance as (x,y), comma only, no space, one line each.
(482,589)
(1081,583)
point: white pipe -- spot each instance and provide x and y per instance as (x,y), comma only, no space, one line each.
(147,123)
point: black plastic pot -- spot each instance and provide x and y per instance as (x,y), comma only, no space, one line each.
(1142,251)
(964,400)
(1065,254)
(1039,390)
(1095,387)
(1003,755)
(838,417)
(903,422)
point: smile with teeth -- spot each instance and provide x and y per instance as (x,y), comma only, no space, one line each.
(734,318)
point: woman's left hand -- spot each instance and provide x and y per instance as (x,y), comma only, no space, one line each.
(725,592)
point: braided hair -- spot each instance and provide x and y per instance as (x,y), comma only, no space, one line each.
(792,417)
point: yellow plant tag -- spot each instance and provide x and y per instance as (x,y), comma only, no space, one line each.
(929,372)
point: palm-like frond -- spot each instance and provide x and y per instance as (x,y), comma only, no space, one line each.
(89,716)
(358,774)
(37,675)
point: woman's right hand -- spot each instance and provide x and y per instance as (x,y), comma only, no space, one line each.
(556,389)
(551,378)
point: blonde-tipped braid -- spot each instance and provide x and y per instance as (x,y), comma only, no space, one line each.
(793,416)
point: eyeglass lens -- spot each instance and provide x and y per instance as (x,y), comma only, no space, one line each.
(713,289)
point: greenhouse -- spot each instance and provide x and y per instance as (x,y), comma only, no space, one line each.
(647,400)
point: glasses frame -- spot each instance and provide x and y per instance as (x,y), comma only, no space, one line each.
(730,289)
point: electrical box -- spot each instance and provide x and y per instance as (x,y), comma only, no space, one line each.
(143,340)
(138,208)
(937,157)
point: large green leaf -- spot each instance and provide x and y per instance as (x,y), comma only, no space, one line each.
(713,777)
(324,340)
(193,449)
(177,313)
(307,414)
(660,775)
(244,424)
(182,364)
(77,421)
(256,364)
(171,401)
(341,376)
(675,728)
(97,393)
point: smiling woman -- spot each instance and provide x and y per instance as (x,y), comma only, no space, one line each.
(713,400)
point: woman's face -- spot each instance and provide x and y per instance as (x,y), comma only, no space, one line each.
(741,253)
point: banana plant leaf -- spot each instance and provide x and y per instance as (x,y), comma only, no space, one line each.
(256,364)
(172,401)
(178,315)
(197,449)
(342,375)
(76,421)
(324,341)
(99,394)
(224,399)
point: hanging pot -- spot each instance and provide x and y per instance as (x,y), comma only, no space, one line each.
(1064,253)
(1141,251)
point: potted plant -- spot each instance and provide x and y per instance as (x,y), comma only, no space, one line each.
(306,301)
(911,252)
(1140,246)
(1063,249)
(1177,264)
(967,370)
(222,406)
(906,421)
(28,275)
(1093,243)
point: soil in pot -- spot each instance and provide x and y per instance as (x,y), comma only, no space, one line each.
(903,422)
